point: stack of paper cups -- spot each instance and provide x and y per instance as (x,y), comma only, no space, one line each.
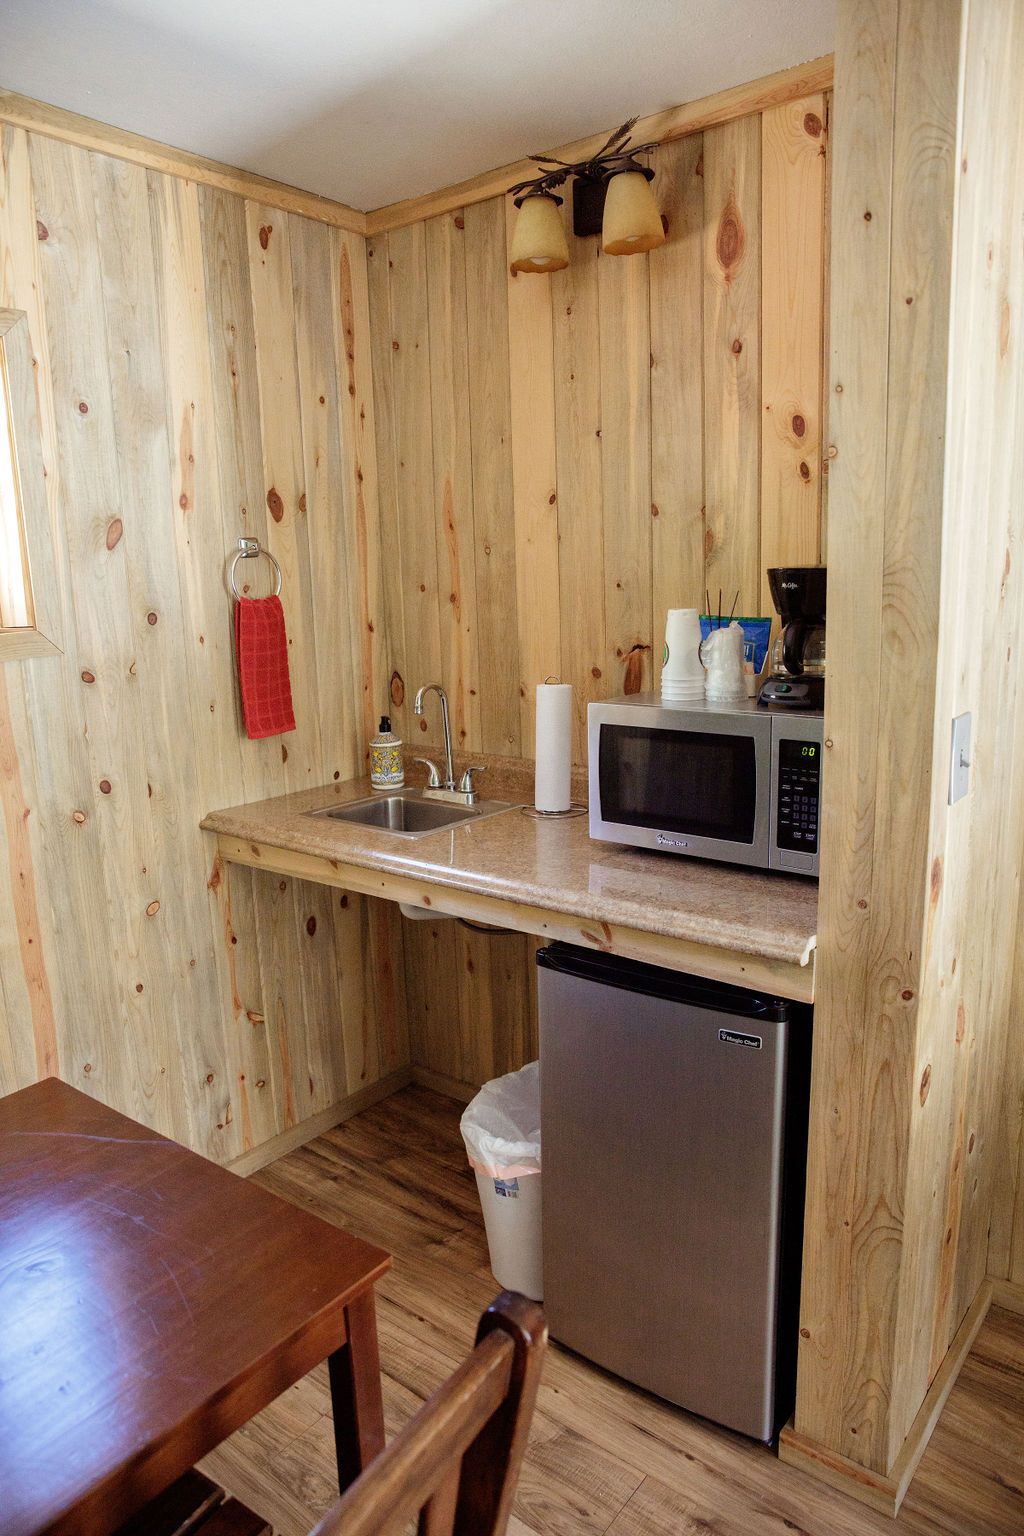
(553,782)
(682,676)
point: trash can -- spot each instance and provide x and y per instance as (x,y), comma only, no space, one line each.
(501,1129)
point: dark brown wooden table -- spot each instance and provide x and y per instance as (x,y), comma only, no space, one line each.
(151,1303)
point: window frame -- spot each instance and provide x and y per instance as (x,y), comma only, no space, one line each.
(44,635)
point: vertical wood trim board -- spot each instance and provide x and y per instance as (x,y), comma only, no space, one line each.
(793,155)
(677,388)
(838,1350)
(922,540)
(986,427)
(732,362)
(919,900)
(531,371)
(455,527)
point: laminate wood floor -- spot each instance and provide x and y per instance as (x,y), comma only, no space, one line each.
(604,1457)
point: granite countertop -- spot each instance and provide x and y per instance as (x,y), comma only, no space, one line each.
(554,865)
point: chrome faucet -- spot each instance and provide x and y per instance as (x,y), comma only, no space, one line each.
(465,794)
(446,727)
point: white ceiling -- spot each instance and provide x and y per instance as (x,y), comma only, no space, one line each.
(372,102)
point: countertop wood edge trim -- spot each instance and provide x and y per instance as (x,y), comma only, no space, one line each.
(783,978)
(660,127)
(103,138)
(886,1491)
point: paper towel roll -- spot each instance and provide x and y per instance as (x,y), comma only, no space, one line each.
(552,784)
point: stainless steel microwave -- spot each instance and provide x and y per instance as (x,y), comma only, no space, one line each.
(715,781)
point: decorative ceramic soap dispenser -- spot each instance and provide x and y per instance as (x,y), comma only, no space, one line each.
(387,770)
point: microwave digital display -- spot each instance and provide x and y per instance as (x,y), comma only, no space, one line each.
(691,783)
(799,787)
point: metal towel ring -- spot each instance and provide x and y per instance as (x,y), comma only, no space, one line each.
(248,549)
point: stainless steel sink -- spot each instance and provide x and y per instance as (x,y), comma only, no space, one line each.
(410,813)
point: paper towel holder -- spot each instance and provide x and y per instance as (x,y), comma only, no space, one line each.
(574,809)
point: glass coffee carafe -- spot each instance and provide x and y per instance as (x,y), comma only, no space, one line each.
(797,677)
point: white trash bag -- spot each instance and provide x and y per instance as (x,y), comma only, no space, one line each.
(501,1129)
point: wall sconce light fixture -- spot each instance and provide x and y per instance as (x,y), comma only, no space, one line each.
(611,197)
(538,240)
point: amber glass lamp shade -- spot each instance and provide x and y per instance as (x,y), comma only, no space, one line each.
(632,222)
(538,240)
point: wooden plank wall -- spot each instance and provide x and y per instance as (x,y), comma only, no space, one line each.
(203,371)
(994,415)
(563,458)
(918,899)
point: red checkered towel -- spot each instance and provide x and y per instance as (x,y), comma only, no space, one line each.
(262,649)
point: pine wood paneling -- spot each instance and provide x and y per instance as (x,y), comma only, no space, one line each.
(915,1015)
(581,592)
(383,961)
(237,894)
(567,427)
(793,232)
(385,446)
(116,890)
(534,484)
(1006,1248)
(414,472)
(350,309)
(625,352)
(453,503)
(235,397)
(604,408)
(983,913)
(333,626)
(432,997)
(203,371)
(838,1342)
(270,271)
(25,1053)
(203,526)
(732,380)
(159,810)
(470,999)
(491,447)
(60,846)
(677,396)
(905,899)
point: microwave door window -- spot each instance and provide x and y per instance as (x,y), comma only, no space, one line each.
(694,783)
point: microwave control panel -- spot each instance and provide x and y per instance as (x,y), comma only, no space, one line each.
(799,796)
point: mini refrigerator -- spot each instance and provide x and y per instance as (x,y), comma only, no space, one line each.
(674,1137)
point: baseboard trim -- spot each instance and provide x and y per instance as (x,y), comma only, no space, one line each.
(307,1130)
(1008,1295)
(449,1086)
(837,1471)
(886,1491)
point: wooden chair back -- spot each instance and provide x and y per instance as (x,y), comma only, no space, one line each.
(456,1463)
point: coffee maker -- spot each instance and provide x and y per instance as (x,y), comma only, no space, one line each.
(797,677)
